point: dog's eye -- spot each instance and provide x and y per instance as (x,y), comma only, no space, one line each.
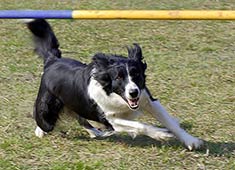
(120,76)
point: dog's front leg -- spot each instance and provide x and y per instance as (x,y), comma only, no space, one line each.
(159,112)
(136,128)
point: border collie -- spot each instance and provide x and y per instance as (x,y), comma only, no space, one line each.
(110,90)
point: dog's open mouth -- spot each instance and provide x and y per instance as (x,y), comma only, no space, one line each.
(133,103)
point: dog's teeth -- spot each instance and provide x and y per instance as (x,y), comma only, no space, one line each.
(133,102)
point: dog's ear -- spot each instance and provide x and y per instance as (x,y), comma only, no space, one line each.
(135,52)
(105,80)
(102,63)
(101,60)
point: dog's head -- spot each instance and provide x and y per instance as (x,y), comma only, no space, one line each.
(124,76)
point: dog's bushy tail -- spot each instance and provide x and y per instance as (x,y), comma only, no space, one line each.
(46,43)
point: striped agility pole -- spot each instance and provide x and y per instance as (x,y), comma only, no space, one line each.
(121,14)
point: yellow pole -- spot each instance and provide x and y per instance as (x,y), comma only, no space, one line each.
(155,14)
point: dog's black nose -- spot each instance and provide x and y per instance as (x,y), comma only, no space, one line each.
(134,93)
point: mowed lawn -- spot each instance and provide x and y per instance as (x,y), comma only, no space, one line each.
(191,70)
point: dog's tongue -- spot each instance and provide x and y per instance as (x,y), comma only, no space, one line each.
(133,102)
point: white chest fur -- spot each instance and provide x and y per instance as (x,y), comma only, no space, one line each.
(108,103)
(113,105)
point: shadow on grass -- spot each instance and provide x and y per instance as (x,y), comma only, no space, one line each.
(218,149)
(226,149)
(138,141)
(209,148)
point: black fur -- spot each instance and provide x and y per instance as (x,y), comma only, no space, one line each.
(65,81)
(61,82)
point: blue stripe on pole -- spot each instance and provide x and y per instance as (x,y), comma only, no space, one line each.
(43,14)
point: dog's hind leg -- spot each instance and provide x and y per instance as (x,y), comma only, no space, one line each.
(93,132)
(46,111)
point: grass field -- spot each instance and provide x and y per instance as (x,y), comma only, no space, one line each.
(191,69)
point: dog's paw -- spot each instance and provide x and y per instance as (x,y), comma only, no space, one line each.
(192,143)
(94,132)
(159,133)
(39,132)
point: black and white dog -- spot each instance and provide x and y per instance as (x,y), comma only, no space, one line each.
(110,90)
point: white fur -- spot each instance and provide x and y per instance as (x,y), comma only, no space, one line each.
(136,128)
(27,20)
(39,132)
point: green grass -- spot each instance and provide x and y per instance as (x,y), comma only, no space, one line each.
(191,69)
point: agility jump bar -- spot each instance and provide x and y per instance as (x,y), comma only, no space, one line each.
(120,14)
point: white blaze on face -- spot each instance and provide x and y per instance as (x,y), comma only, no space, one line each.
(132,92)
